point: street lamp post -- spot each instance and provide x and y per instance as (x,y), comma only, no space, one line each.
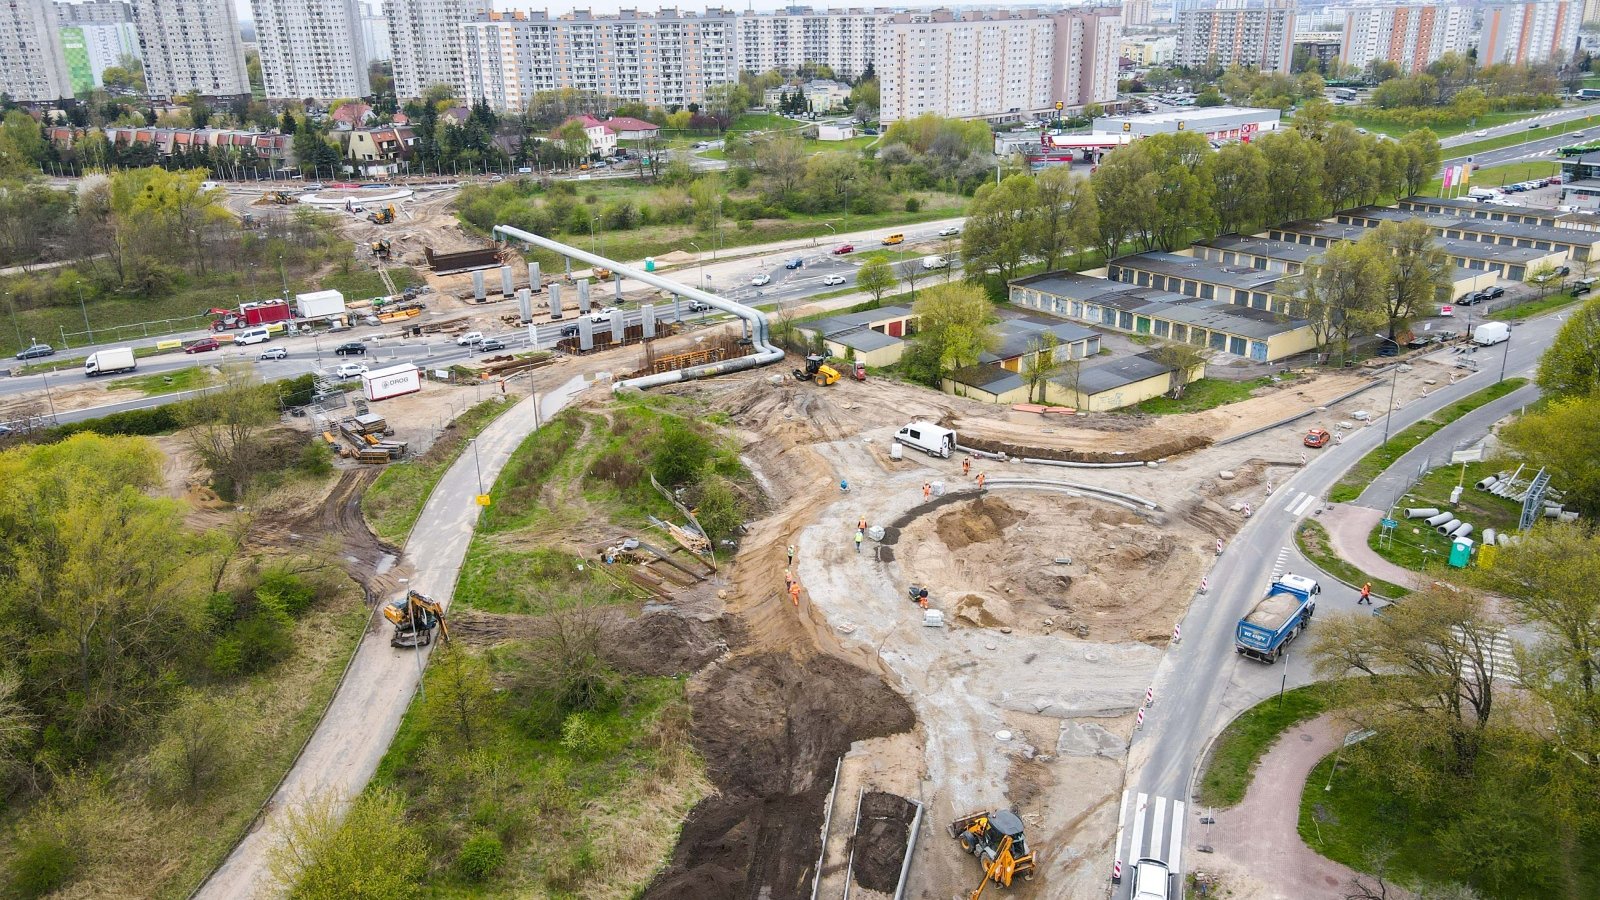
(1394,378)
(14,324)
(85,308)
(1505,355)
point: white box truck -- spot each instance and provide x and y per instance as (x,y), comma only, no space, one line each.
(319,304)
(1490,333)
(391,382)
(110,362)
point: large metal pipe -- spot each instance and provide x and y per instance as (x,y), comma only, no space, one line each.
(1421,512)
(1439,519)
(760,338)
(1449,526)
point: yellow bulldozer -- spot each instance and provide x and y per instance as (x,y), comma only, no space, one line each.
(818,370)
(383,216)
(996,839)
(415,616)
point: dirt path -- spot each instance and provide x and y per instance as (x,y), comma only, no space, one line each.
(1258,853)
(1348,527)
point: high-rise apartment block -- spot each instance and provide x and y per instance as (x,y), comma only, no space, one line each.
(311,49)
(1526,33)
(375,32)
(95,35)
(666,59)
(1260,36)
(190,45)
(32,65)
(425,38)
(845,40)
(997,65)
(1412,37)
(1136,12)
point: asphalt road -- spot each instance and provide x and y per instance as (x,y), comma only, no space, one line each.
(1542,148)
(1195,675)
(1553,117)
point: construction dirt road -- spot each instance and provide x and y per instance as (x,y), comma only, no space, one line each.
(1058,606)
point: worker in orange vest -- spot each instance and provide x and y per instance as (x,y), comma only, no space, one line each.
(927,492)
(966,467)
(861,523)
(794,593)
(980,481)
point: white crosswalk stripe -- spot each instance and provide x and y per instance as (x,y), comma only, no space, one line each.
(1279,563)
(1156,833)
(1302,504)
(1502,656)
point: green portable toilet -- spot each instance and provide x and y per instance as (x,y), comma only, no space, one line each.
(1460,553)
(649,263)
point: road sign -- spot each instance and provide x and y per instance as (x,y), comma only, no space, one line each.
(483,499)
(1447,310)
(1389,523)
(1060,105)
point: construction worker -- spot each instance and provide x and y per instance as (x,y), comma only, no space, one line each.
(980,481)
(791,554)
(859,535)
(1366,594)
(788,579)
(927,492)
(794,593)
(922,599)
(966,467)
(861,523)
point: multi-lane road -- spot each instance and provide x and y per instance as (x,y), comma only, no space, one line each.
(1196,677)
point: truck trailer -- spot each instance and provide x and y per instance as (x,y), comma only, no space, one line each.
(110,362)
(391,382)
(319,304)
(1277,618)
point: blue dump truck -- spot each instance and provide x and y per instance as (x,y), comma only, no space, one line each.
(1277,618)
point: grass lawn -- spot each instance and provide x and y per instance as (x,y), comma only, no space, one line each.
(1415,545)
(1240,746)
(167,382)
(1496,176)
(361,283)
(1312,539)
(393,502)
(1534,307)
(1374,463)
(1355,116)
(1520,137)
(1207,393)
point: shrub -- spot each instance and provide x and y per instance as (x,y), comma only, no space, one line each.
(481,856)
(913,205)
(255,644)
(718,509)
(285,591)
(680,455)
(316,460)
(42,865)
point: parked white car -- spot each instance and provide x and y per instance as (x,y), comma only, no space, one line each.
(470,338)
(602,315)
(950,231)
(349,370)
(835,278)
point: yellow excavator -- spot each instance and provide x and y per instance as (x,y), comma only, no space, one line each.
(383,216)
(381,248)
(818,370)
(414,617)
(282,198)
(996,839)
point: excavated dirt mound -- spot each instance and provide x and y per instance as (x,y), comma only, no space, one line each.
(770,728)
(1161,450)
(880,844)
(982,520)
(660,641)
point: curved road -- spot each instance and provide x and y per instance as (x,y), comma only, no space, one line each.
(1201,682)
(365,712)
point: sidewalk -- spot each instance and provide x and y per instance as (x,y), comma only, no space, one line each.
(1257,845)
(1348,526)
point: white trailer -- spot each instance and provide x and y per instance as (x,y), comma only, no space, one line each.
(319,304)
(391,382)
(109,362)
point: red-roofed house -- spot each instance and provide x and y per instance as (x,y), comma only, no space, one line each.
(378,151)
(602,140)
(627,128)
(353,114)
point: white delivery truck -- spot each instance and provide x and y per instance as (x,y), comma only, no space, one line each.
(929,438)
(1490,333)
(319,304)
(391,382)
(109,362)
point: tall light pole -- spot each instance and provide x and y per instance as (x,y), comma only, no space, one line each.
(1503,357)
(14,324)
(1393,379)
(85,308)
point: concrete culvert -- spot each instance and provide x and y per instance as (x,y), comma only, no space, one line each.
(1462,530)
(1421,512)
(1439,519)
(1447,527)
(1489,535)
(1487,483)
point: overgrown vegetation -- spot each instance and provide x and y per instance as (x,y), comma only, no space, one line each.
(1247,738)
(1207,393)
(1377,461)
(393,502)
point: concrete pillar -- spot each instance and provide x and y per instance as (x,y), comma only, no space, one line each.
(616,328)
(525,304)
(648,319)
(555,299)
(507,282)
(533,277)
(583,296)
(617,280)
(477,286)
(585,333)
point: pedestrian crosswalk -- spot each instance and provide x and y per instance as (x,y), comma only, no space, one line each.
(1502,655)
(1280,563)
(1301,503)
(1149,826)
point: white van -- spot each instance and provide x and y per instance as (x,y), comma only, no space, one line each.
(934,262)
(929,438)
(256,335)
(1484,194)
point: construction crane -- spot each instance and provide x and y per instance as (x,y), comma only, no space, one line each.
(818,370)
(414,617)
(996,839)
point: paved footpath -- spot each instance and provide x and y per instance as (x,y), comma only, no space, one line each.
(1257,846)
(1348,527)
(364,715)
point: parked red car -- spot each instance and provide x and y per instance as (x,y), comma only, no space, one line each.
(1317,437)
(202,345)
(842,249)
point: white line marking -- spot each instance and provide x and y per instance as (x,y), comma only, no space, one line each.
(1304,505)
(1138,830)
(1122,817)
(1158,827)
(1175,854)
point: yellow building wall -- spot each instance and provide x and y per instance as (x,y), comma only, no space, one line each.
(1290,342)
(883,356)
(1015,395)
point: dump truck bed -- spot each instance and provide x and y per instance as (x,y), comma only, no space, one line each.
(1274,611)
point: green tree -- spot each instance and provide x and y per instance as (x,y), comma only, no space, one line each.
(572,140)
(1422,160)
(370,853)
(1294,175)
(999,230)
(1549,438)
(1124,190)
(1239,177)
(1181,206)
(459,701)
(876,276)
(1065,218)
(1570,367)
(1041,365)
(1341,293)
(1183,358)
(22,147)
(1348,167)
(953,324)
(1415,270)
(225,429)
(864,99)
(781,160)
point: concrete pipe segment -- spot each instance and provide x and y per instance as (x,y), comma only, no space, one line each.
(1421,512)
(1462,530)
(1439,519)
(1488,483)
(1488,537)
(1448,527)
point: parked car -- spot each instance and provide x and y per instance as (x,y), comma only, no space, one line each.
(1563,271)
(835,278)
(1152,880)
(470,338)
(950,231)
(842,249)
(492,344)
(1579,289)
(699,306)
(349,370)
(274,353)
(1472,299)
(796,263)
(1496,292)
(203,345)
(569,331)
(1317,437)
(353,348)
(761,279)
(602,315)
(35,351)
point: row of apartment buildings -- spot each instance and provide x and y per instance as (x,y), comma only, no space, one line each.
(1265,34)
(996,64)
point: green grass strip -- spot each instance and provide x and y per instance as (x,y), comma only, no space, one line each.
(1246,739)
